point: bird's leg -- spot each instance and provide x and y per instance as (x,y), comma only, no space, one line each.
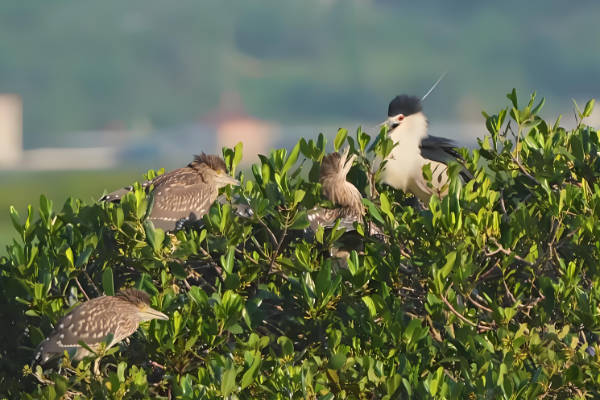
(371,177)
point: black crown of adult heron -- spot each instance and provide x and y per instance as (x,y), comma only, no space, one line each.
(185,193)
(407,127)
(92,321)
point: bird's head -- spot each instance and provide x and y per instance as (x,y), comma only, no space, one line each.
(405,114)
(336,165)
(334,168)
(141,301)
(215,167)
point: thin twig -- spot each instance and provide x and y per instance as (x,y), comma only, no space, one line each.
(271,234)
(507,252)
(502,202)
(81,289)
(524,171)
(479,305)
(479,326)
(98,291)
(508,291)
(279,242)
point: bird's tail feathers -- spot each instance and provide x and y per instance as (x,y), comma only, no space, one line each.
(115,197)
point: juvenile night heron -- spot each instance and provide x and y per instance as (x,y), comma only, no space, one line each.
(414,149)
(339,191)
(185,193)
(92,321)
(347,198)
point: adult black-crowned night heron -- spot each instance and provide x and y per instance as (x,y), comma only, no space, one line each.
(185,193)
(414,149)
(92,321)
(335,187)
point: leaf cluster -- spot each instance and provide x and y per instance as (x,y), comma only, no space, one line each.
(491,292)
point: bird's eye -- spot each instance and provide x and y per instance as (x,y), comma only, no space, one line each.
(394,125)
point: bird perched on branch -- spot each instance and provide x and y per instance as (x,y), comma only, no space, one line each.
(185,193)
(335,187)
(407,127)
(348,199)
(92,321)
(339,191)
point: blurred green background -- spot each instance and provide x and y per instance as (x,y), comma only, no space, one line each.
(151,65)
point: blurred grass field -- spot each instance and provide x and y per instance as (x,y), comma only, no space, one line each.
(22,188)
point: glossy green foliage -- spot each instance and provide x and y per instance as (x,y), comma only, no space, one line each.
(492,292)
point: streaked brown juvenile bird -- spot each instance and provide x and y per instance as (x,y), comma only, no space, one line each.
(185,193)
(339,191)
(92,321)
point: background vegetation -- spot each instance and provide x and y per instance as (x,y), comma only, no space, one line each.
(493,292)
(19,188)
(85,65)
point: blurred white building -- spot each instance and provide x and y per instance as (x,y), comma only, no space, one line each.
(11,130)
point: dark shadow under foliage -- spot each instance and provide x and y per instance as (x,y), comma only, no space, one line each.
(492,292)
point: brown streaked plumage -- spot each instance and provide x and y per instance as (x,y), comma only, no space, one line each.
(185,193)
(92,321)
(338,190)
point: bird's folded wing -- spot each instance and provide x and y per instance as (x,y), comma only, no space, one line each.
(86,323)
(442,150)
(184,199)
(438,149)
(180,173)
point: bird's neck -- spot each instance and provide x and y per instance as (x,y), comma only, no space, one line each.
(411,131)
(344,194)
(405,157)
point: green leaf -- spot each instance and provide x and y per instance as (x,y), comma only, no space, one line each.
(287,347)
(337,361)
(237,156)
(121,371)
(155,236)
(252,372)
(228,381)
(373,211)
(512,96)
(291,160)
(69,255)
(589,107)
(339,139)
(176,321)
(198,295)
(370,305)
(227,261)
(14,217)
(108,282)
(298,196)
(363,139)
(386,207)
(449,265)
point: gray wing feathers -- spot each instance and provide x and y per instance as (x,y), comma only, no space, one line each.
(442,150)
(116,196)
(438,149)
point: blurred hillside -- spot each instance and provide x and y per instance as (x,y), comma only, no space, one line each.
(92,65)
